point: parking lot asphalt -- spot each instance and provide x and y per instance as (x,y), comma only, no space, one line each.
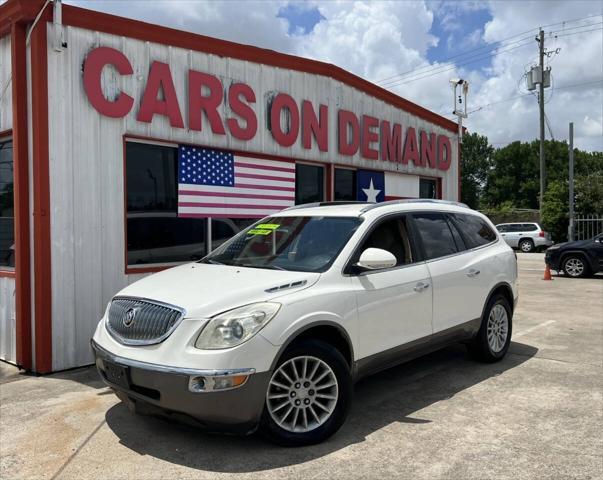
(536,414)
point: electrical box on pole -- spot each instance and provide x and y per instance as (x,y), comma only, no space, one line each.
(459,102)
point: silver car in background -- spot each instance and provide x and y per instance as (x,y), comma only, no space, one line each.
(527,237)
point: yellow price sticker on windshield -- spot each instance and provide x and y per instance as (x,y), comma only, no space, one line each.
(257,231)
(268,226)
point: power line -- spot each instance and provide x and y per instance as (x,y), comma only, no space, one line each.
(451,66)
(488,48)
(576,85)
(577,33)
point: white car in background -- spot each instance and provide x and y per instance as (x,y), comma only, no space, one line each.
(527,237)
(271,330)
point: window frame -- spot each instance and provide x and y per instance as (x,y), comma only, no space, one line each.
(417,252)
(5,270)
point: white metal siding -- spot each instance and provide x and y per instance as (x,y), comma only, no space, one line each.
(7,320)
(6,102)
(86,163)
(7,285)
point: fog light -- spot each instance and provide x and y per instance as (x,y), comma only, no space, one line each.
(198,384)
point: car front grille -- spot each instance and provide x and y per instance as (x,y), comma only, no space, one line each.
(138,321)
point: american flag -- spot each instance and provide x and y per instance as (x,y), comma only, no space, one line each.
(214,183)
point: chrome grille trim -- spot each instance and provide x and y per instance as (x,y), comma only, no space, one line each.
(155,321)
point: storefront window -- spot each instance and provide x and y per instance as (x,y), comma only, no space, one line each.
(155,233)
(309,184)
(345,184)
(427,188)
(7,212)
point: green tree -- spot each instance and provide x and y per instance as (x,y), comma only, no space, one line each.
(588,192)
(554,214)
(475,163)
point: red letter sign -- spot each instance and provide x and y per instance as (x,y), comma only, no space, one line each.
(197,104)
(312,126)
(391,142)
(283,101)
(428,149)
(242,110)
(348,120)
(93,68)
(369,137)
(444,152)
(411,150)
(160,78)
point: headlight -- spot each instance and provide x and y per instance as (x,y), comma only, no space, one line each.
(234,327)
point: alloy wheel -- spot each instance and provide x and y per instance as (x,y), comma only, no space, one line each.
(526,247)
(498,328)
(302,394)
(574,267)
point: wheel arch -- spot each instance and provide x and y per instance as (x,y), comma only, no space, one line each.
(327,331)
(579,253)
(504,289)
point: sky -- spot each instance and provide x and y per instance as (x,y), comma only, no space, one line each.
(414,48)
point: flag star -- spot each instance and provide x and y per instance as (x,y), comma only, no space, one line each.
(371,192)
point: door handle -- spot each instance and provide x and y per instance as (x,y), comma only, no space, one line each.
(473,273)
(419,287)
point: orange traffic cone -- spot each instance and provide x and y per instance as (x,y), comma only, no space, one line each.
(547,273)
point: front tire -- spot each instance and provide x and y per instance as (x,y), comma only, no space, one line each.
(494,336)
(309,395)
(574,266)
(526,246)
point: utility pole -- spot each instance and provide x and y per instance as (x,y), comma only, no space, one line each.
(541,104)
(570,233)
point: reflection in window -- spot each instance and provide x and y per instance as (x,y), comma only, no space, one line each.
(7,211)
(155,233)
(223,229)
(309,184)
(345,184)
(436,235)
(476,230)
(427,188)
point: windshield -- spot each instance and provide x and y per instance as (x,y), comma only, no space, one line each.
(306,244)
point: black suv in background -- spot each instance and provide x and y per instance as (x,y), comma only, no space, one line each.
(577,259)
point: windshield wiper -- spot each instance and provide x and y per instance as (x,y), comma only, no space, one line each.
(271,267)
(213,262)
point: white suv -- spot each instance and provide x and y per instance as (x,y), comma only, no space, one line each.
(273,327)
(528,237)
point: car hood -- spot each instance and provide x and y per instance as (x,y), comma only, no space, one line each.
(205,290)
(575,244)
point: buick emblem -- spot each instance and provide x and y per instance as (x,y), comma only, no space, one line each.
(129,317)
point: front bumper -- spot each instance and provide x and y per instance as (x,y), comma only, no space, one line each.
(160,390)
(551,258)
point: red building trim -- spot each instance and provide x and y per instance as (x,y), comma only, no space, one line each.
(41,197)
(96,21)
(21,196)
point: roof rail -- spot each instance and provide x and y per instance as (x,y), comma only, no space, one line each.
(410,200)
(327,204)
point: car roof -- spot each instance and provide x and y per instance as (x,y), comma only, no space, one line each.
(518,223)
(358,209)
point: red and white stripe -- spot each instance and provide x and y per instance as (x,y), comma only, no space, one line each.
(262,187)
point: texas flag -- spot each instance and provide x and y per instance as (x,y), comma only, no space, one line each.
(370,186)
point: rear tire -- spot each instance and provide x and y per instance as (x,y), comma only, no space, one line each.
(575,266)
(526,245)
(494,336)
(315,410)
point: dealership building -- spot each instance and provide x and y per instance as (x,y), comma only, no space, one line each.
(126,148)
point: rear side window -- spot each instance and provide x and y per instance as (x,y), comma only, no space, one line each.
(435,234)
(529,227)
(475,230)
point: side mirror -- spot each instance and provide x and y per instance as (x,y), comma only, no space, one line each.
(376,259)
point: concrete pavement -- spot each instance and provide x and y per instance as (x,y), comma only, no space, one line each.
(537,414)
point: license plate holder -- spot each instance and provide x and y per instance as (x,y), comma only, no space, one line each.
(117,374)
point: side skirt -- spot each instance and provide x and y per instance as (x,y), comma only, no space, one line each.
(417,348)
